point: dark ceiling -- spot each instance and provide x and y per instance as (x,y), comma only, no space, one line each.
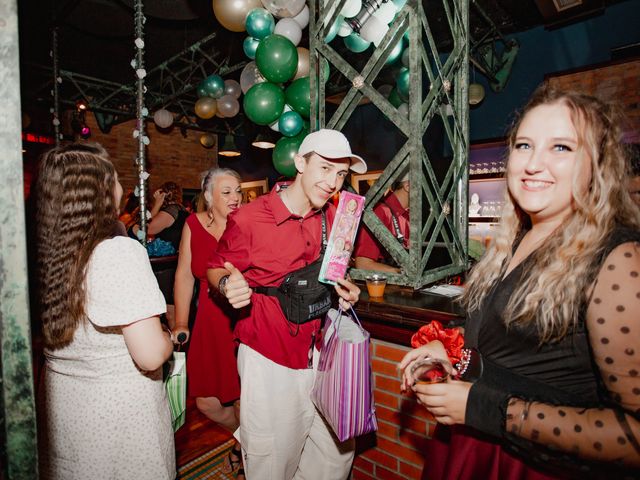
(96,36)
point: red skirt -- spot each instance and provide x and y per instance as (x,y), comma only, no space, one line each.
(461,453)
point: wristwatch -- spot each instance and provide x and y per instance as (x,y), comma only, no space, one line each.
(222,285)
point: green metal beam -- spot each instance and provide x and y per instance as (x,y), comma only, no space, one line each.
(18,449)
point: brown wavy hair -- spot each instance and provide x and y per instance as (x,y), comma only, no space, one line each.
(76,210)
(174,193)
(555,286)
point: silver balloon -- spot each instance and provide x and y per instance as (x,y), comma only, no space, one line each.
(385,90)
(250,76)
(289,28)
(403,110)
(302,18)
(163,118)
(231,87)
(228,106)
(284,8)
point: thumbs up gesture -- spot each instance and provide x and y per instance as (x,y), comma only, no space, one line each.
(237,289)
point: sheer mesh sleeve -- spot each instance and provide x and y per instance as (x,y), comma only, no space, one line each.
(613,322)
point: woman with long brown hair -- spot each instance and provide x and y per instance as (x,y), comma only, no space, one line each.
(548,387)
(103,408)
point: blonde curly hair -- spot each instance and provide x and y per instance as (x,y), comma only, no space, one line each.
(553,290)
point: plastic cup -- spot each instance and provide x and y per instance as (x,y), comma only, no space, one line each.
(375,285)
(430,370)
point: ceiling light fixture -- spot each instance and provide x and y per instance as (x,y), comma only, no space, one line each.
(263,141)
(229,148)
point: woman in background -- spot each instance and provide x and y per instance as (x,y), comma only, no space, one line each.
(211,361)
(167,214)
(103,407)
(552,313)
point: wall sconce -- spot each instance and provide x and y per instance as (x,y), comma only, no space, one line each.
(229,148)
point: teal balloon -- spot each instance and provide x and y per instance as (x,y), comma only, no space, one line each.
(290,124)
(277,58)
(394,98)
(201,90)
(214,86)
(250,46)
(333,31)
(298,96)
(259,23)
(264,103)
(399,4)
(402,83)
(356,43)
(395,53)
(284,154)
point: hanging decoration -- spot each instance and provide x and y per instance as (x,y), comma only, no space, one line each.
(163,118)
(232,13)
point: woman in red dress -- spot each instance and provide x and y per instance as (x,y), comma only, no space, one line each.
(211,361)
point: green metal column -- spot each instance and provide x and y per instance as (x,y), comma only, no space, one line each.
(438,207)
(19,452)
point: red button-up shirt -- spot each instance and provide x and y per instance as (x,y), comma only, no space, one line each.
(265,241)
(367,245)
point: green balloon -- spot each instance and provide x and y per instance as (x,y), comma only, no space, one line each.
(326,70)
(201,90)
(394,98)
(298,96)
(356,43)
(214,86)
(333,31)
(250,46)
(277,58)
(290,124)
(284,154)
(259,23)
(402,83)
(264,103)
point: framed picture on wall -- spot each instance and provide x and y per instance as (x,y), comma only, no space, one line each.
(363,182)
(252,190)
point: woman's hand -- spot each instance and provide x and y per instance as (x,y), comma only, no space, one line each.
(176,335)
(158,197)
(447,401)
(434,349)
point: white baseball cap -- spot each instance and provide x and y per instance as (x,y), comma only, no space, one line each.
(331,144)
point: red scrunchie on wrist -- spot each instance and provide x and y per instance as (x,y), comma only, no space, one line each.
(451,338)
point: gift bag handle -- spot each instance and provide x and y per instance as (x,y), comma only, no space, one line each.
(355,316)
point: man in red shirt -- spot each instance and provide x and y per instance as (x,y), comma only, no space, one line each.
(282,434)
(393,211)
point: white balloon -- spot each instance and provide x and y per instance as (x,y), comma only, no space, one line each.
(274,126)
(302,18)
(231,87)
(403,110)
(351,8)
(344,30)
(373,30)
(228,106)
(386,13)
(284,8)
(250,76)
(289,28)
(163,118)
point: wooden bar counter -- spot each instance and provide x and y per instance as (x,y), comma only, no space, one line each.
(401,311)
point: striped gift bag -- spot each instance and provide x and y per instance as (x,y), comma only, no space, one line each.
(343,388)
(176,385)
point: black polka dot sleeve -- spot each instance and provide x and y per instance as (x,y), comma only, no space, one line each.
(613,320)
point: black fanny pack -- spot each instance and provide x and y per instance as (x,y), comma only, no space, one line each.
(301,295)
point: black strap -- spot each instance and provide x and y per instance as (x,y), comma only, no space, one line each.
(396,225)
(272,290)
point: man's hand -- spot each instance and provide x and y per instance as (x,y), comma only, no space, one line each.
(349,293)
(237,289)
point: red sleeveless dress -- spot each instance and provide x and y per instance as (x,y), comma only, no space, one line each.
(212,369)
